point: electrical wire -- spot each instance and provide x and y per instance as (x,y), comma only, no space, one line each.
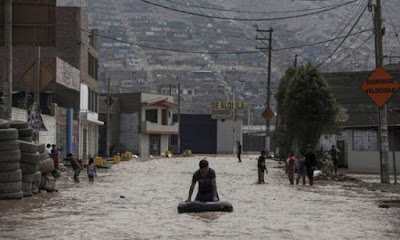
(337,32)
(365,41)
(390,18)
(241,11)
(217,53)
(344,39)
(247,19)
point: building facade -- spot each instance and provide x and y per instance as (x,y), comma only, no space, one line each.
(141,123)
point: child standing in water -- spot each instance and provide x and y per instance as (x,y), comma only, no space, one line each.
(290,167)
(91,170)
(301,170)
(261,167)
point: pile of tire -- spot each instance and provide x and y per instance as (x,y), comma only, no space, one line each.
(10,155)
(31,155)
(25,132)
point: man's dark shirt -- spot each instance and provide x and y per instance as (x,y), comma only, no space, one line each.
(310,160)
(239,148)
(205,185)
(261,163)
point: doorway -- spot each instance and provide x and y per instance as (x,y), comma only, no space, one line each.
(155,144)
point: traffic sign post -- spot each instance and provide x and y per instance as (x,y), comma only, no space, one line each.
(380,87)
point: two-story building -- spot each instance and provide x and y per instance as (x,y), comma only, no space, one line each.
(142,123)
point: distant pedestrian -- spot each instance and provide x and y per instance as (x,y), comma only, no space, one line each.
(76,166)
(48,149)
(261,167)
(54,155)
(310,162)
(334,152)
(239,151)
(301,171)
(290,166)
(91,170)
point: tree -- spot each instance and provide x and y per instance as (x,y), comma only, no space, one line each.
(306,105)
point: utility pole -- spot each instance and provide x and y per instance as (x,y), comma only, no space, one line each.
(108,102)
(269,39)
(179,118)
(233,116)
(37,77)
(382,113)
(6,86)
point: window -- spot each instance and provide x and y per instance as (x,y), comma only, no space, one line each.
(93,66)
(151,115)
(365,140)
(92,100)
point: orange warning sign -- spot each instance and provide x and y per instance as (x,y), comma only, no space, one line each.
(268,114)
(380,86)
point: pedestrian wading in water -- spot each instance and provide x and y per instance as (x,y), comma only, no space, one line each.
(261,167)
(310,162)
(76,166)
(206,178)
(300,167)
(239,151)
(290,167)
(91,170)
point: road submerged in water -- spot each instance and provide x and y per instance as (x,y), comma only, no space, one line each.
(153,189)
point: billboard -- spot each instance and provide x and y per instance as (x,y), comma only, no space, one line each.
(33,22)
(224,110)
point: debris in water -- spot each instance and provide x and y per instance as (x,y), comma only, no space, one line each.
(122,196)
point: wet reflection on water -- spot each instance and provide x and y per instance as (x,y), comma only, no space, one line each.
(153,190)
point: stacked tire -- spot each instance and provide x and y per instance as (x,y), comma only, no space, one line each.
(10,155)
(30,158)
(38,175)
(25,133)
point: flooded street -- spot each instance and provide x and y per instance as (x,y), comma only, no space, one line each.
(154,188)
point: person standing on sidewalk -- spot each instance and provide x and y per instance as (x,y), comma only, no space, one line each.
(239,151)
(310,162)
(334,156)
(261,167)
(301,169)
(290,167)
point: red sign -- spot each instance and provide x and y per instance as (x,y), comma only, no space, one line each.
(268,114)
(380,86)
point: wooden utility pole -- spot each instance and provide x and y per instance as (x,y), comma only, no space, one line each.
(6,85)
(37,77)
(179,118)
(382,113)
(108,102)
(269,39)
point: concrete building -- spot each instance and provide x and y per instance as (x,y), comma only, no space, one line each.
(139,122)
(67,68)
(358,120)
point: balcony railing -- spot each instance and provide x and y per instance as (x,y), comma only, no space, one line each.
(155,128)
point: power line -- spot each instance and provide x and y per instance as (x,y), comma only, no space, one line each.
(218,53)
(366,40)
(247,19)
(390,18)
(241,11)
(344,39)
(338,31)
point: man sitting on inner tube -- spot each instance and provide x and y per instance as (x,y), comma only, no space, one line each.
(207,184)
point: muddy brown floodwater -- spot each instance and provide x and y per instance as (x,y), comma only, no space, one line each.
(154,188)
